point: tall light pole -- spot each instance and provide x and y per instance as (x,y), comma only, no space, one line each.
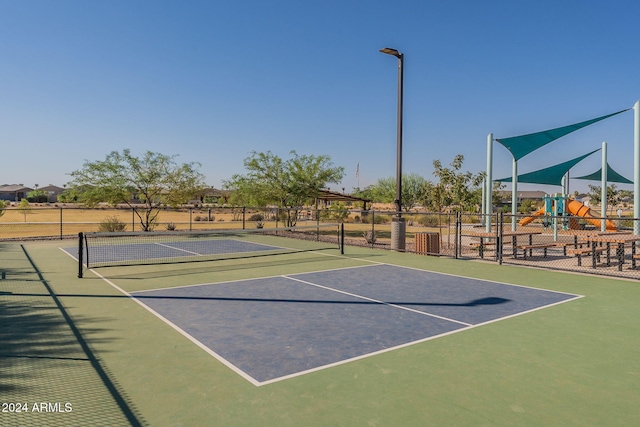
(398,226)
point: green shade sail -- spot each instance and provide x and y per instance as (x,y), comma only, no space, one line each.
(520,146)
(612,176)
(551,175)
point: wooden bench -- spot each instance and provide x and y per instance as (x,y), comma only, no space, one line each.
(493,243)
(565,245)
(580,252)
(530,248)
(477,244)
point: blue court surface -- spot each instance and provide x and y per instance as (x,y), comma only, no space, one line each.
(274,328)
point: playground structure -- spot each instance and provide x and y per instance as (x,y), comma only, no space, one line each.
(522,145)
(560,205)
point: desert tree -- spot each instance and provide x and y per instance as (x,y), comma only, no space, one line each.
(155,180)
(288,184)
(414,190)
(456,189)
(25,208)
(614,195)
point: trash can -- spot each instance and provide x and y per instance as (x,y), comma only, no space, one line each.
(427,243)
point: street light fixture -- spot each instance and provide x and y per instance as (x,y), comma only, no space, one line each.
(398,227)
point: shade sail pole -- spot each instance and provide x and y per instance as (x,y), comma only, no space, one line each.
(603,190)
(514,193)
(489,183)
(636,167)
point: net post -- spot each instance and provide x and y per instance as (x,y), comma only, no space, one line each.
(80,253)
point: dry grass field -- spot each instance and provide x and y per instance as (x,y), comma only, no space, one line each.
(67,222)
(47,221)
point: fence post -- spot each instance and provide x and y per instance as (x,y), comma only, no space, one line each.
(499,225)
(60,223)
(243,217)
(133,220)
(460,247)
(373,228)
(190,219)
(449,229)
(455,236)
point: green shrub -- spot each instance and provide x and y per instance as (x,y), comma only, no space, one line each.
(626,223)
(377,218)
(473,219)
(256,217)
(112,224)
(427,220)
(381,219)
(527,206)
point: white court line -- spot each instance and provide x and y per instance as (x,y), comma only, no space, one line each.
(257,383)
(250,278)
(194,340)
(72,257)
(178,249)
(377,301)
(407,344)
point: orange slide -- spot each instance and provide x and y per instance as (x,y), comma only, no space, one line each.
(527,220)
(576,208)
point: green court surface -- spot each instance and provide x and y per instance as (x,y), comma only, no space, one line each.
(82,352)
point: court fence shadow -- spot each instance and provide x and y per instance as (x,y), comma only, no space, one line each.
(46,360)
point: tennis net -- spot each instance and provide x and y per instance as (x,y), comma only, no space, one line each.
(103,249)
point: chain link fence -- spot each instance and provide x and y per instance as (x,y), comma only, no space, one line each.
(45,222)
(590,245)
(426,233)
(579,244)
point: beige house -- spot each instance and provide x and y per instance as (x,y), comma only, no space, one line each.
(14,192)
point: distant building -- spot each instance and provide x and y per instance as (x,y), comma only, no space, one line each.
(14,192)
(52,192)
(212,195)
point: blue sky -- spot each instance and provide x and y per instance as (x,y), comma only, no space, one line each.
(211,81)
